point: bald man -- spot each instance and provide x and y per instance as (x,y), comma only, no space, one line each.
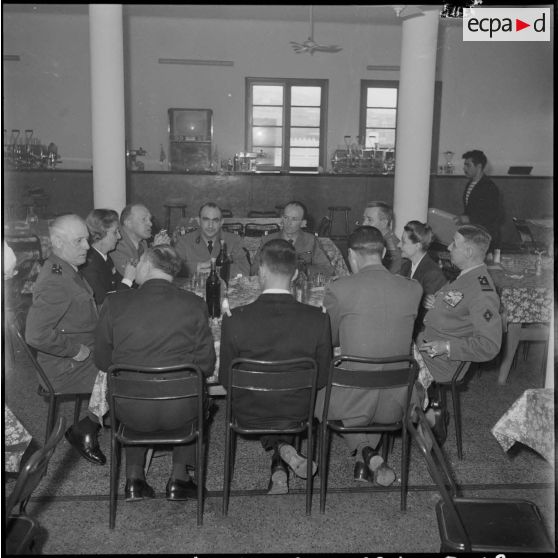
(61,324)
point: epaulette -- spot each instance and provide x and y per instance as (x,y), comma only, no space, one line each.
(485,285)
(56,268)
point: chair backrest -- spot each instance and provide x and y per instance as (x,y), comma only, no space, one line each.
(260,229)
(34,470)
(263,214)
(154,383)
(284,376)
(324,226)
(527,240)
(236,228)
(377,373)
(438,468)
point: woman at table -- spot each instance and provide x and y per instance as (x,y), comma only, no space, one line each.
(98,269)
(417,264)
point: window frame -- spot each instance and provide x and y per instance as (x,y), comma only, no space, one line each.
(287,84)
(379,83)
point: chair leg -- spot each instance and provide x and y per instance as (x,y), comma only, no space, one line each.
(457,419)
(114,467)
(148,457)
(200,475)
(227,471)
(309,479)
(77,409)
(544,361)
(325,438)
(52,408)
(405,444)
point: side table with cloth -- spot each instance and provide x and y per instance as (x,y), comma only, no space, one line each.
(530,421)
(241,291)
(524,297)
(16,441)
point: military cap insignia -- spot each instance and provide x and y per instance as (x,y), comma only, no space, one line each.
(453,298)
(485,285)
(487,315)
(56,268)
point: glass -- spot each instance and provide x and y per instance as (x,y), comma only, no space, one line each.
(267,116)
(266,136)
(380,117)
(304,157)
(305,137)
(381,97)
(306,96)
(305,116)
(267,94)
(386,138)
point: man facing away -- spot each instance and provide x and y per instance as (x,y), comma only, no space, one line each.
(61,324)
(372,315)
(135,230)
(156,325)
(463,321)
(307,246)
(379,214)
(481,197)
(198,247)
(275,327)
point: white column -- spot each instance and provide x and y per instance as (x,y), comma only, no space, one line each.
(414,118)
(107,106)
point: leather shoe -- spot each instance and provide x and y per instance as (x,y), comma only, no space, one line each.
(279,480)
(87,445)
(362,472)
(178,490)
(137,489)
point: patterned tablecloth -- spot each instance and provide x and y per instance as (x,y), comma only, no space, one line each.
(16,440)
(530,421)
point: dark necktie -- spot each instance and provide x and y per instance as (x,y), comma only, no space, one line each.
(141,249)
(291,241)
(210,245)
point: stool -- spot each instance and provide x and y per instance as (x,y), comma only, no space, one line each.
(332,210)
(173,204)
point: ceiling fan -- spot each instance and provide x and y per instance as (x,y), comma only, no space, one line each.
(310,45)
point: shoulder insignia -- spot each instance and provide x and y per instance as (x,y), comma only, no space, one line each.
(453,298)
(487,315)
(57,269)
(485,285)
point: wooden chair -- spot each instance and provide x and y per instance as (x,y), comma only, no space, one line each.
(45,386)
(324,227)
(28,246)
(260,229)
(236,228)
(21,529)
(527,241)
(263,214)
(476,524)
(180,384)
(534,333)
(401,371)
(282,377)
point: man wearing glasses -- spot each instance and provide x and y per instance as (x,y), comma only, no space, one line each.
(308,248)
(198,247)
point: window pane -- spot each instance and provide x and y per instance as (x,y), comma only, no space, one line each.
(306,96)
(267,95)
(267,116)
(384,118)
(305,157)
(272,157)
(304,116)
(266,136)
(385,138)
(381,97)
(305,137)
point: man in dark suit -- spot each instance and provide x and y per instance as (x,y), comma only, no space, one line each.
(61,324)
(372,315)
(156,325)
(98,269)
(275,327)
(481,197)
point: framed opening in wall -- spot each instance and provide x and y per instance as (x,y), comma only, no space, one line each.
(190,139)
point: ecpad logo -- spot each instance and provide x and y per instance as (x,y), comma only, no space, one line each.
(506,24)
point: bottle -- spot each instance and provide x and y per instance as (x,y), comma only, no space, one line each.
(301,282)
(223,263)
(236,162)
(538,264)
(230,166)
(213,292)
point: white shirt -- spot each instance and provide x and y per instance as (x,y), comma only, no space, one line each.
(276,291)
(415,265)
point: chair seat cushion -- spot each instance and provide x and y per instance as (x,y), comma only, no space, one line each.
(502,525)
(177,436)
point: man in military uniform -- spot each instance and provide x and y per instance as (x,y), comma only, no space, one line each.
(198,247)
(61,324)
(463,322)
(307,246)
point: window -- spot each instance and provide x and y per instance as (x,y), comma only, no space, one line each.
(286,123)
(378,119)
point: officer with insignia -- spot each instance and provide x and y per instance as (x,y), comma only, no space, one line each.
(61,325)
(463,322)
(198,247)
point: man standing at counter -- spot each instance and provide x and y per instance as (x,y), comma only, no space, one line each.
(198,247)
(307,246)
(481,197)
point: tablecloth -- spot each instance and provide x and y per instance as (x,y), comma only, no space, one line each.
(16,440)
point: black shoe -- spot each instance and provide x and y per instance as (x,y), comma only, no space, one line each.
(279,479)
(362,472)
(87,445)
(137,489)
(178,489)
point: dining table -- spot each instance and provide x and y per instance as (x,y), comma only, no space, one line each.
(525,297)
(16,441)
(529,421)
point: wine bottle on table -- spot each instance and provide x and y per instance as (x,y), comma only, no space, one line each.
(223,263)
(213,292)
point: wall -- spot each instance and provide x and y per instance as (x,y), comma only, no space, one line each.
(497,96)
